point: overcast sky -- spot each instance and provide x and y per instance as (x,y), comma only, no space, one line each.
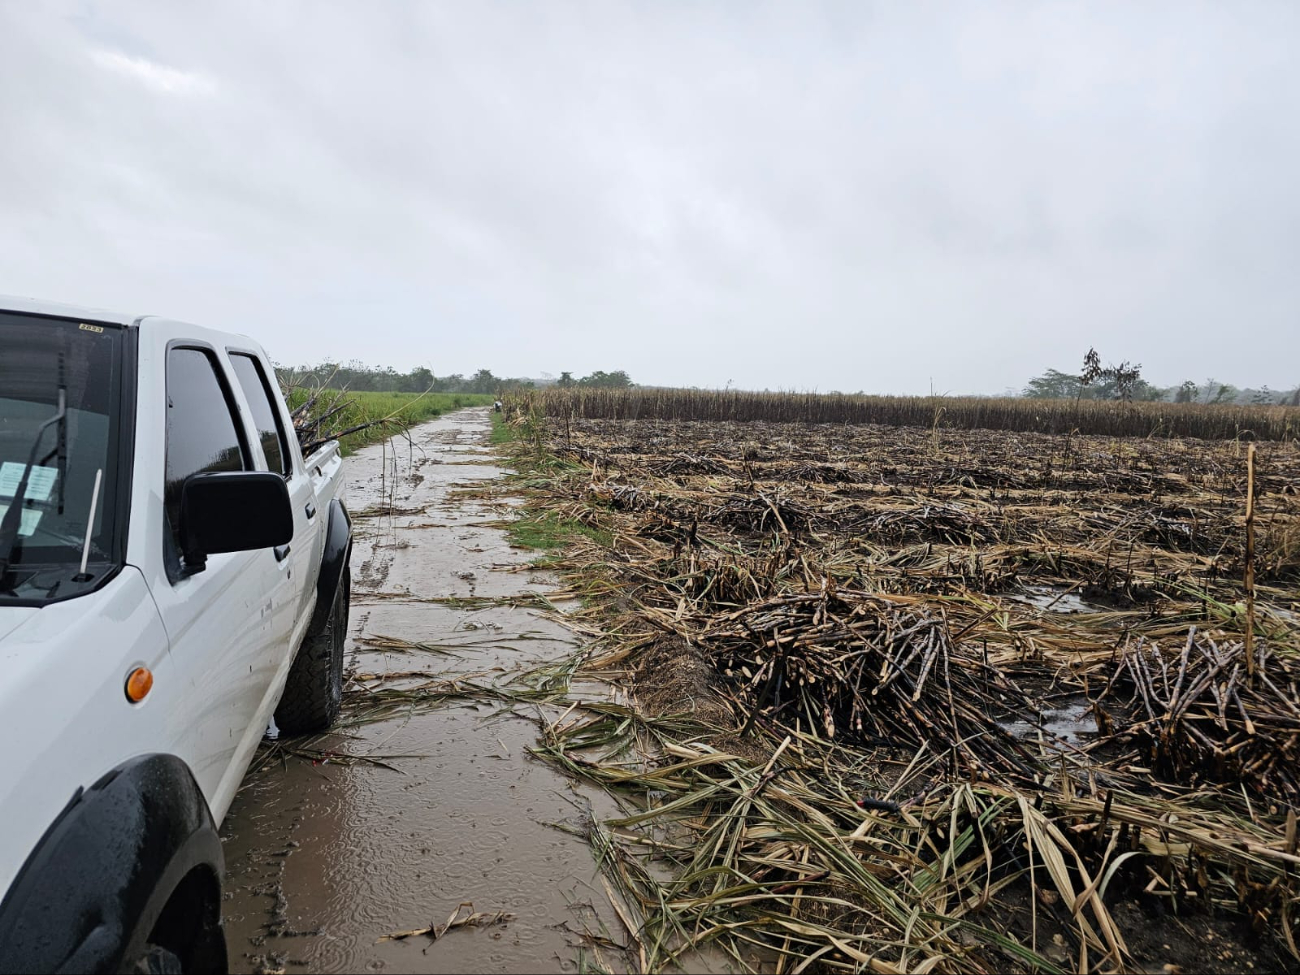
(841,196)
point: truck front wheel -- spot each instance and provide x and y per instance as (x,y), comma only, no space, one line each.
(313,692)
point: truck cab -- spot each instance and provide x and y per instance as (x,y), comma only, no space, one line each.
(173,574)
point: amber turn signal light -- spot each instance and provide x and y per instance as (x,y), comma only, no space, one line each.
(138,683)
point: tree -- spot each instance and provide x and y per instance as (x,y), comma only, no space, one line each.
(1186,392)
(1122,382)
(1091,372)
(1147,393)
(565,380)
(483,382)
(1054,384)
(606,380)
(1295,397)
(1227,394)
(1126,377)
(419,380)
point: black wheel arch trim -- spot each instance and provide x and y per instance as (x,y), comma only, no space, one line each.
(90,893)
(334,559)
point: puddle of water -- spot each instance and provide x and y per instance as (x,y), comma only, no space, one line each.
(332,858)
(324,859)
(1069,721)
(1055,600)
(567,605)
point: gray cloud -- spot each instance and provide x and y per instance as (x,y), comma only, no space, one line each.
(841,196)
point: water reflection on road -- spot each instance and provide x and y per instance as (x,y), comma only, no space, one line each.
(325,858)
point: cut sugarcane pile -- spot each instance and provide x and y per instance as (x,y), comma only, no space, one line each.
(1022,654)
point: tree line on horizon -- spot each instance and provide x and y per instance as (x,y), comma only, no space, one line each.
(1122,382)
(357,377)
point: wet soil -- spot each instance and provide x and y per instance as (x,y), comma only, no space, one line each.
(326,857)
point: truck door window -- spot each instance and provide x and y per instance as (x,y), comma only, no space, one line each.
(202,433)
(253,381)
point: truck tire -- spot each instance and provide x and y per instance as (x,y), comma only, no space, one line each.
(313,692)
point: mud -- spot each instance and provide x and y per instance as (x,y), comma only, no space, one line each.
(325,857)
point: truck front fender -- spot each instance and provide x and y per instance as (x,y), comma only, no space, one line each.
(334,559)
(90,895)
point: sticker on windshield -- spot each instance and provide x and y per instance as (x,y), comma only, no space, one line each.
(27,524)
(39,483)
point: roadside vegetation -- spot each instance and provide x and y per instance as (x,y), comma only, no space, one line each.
(356,419)
(928,697)
(546,531)
(502,432)
(549,531)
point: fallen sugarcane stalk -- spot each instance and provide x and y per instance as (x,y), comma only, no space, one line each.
(748,861)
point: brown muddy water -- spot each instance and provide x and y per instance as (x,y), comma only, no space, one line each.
(323,859)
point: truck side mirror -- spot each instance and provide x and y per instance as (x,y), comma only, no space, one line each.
(235,511)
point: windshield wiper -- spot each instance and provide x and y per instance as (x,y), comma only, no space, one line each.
(12,521)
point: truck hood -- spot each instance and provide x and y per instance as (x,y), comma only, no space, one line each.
(31,635)
(12,617)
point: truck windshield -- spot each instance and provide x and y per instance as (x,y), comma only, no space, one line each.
(60,425)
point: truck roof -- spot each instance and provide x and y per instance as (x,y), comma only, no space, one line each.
(35,306)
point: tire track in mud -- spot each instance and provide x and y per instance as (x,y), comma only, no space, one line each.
(325,855)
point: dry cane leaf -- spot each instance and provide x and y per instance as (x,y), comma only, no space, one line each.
(463,916)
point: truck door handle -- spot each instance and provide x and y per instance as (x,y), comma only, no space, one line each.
(281,553)
(311,510)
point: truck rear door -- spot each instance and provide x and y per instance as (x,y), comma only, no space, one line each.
(295,563)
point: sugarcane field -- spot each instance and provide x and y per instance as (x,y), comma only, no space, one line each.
(904,698)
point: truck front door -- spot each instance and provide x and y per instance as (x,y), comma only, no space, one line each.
(220,619)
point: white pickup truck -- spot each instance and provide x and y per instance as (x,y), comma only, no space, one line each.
(173,574)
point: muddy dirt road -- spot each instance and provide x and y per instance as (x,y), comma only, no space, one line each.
(323,858)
